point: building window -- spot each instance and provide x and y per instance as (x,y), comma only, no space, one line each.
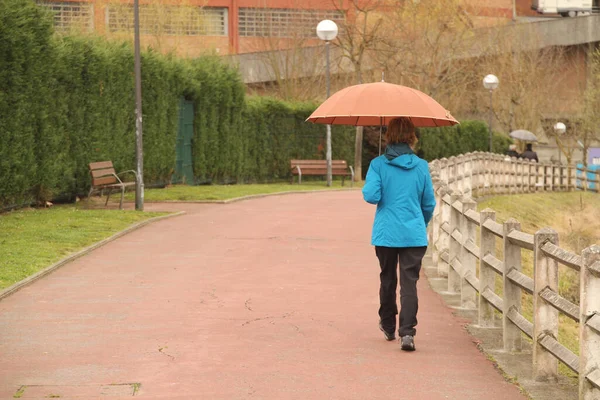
(71,16)
(170,20)
(282,22)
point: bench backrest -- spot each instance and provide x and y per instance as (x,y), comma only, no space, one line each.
(340,165)
(103,173)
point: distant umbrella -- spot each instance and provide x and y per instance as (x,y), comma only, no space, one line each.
(522,134)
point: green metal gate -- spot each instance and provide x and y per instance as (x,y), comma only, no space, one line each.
(184,167)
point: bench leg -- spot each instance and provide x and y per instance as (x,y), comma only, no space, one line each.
(343,177)
(122,195)
(89,195)
(107,197)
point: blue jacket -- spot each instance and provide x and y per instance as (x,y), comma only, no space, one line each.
(401,187)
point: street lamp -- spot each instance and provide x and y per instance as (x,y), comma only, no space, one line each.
(490,82)
(327,30)
(559,129)
(139,152)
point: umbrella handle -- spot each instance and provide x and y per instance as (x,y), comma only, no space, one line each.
(380,132)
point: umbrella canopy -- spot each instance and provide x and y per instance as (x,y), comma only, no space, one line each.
(522,134)
(373,104)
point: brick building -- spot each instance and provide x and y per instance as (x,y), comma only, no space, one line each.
(226,26)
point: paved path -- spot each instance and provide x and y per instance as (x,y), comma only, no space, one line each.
(272,298)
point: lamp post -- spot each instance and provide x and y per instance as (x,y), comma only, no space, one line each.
(139,153)
(327,31)
(490,82)
(559,128)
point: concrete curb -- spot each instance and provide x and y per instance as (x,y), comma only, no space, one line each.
(30,279)
(249,197)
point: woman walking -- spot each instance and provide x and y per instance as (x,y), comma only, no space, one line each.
(399,183)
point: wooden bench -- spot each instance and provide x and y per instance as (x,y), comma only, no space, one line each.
(104,178)
(319,167)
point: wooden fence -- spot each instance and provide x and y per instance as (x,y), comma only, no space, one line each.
(479,174)
(588,179)
(463,239)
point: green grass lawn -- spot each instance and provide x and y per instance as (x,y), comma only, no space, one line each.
(33,239)
(576,218)
(225,192)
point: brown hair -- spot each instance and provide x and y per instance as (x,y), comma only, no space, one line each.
(401,130)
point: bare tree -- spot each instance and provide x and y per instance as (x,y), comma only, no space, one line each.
(528,81)
(359,35)
(590,118)
(428,46)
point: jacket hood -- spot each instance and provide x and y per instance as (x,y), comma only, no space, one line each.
(401,155)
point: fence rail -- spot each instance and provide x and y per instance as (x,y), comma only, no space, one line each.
(588,178)
(463,239)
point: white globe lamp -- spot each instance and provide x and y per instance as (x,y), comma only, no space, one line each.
(327,30)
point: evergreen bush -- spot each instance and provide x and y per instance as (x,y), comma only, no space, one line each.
(468,136)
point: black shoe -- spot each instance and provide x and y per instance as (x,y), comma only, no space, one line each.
(407,343)
(388,336)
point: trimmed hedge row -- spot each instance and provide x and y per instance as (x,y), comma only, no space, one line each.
(68,101)
(275,132)
(466,137)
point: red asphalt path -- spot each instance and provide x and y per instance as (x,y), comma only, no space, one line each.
(271,298)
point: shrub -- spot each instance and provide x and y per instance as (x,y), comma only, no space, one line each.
(468,136)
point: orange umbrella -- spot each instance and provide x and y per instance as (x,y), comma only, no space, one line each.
(373,104)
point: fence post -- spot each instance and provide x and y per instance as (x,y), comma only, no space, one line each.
(542,176)
(452,178)
(444,239)
(508,175)
(433,227)
(589,338)
(570,184)
(468,295)
(527,177)
(561,180)
(444,170)
(460,172)
(468,175)
(545,317)
(501,166)
(475,178)
(487,276)
(513,174)
(454,259)
(494,174)
(512,292)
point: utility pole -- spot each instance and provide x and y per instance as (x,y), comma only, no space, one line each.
(139,148)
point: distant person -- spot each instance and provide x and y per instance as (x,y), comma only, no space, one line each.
(529,154)
(399,183)
(512,151)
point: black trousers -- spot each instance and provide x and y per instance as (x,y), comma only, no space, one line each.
(410,259)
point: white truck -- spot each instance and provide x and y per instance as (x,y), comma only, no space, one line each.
(566,8)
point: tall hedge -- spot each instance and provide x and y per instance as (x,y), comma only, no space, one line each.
(25,50)
(468,136)
(69,101)
(275,132)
